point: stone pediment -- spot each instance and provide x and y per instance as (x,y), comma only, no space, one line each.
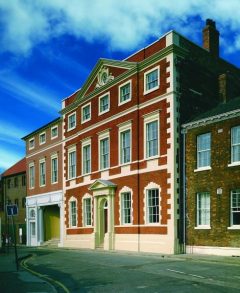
(103,73)
(102,184)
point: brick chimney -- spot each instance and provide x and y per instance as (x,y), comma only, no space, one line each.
(211,38)
(223,85)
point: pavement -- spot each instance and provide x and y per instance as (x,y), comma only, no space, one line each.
(25,280)
(21,281)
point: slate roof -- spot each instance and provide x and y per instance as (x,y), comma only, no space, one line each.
(231,105)
(19,167)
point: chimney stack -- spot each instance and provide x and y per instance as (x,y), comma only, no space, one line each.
(223,87)
(211,38)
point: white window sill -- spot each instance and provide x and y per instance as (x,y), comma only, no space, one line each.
(69,129)
(86,174)
(151,90)
(73,227)
(87,226)
(54,137)
(125,164)
(124,102)
(234,164)
(103,112)
(236,227)
(203,169)
(54,182)
(203,227)
(152,158)
(69,179)
(32,148)
(84,121)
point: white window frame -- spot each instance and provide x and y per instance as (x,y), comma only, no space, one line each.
(99,103)
(82,110)
(52,128)
(70,151)
(147,91)
(130,92)
(123,216)
(71,115)
(147,207)
(101,136)
(233,146)
(84,218)
(73,199)
(44,135)
(31,178)
(42,161)
(54,157)
(123,127)
(149,118)
(85,143)
(150,186)
(205,167)
(236,192)
(29,144)
(203,209)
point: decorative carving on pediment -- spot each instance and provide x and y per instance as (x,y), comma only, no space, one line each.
(104,76)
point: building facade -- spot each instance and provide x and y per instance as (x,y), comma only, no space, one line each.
(13,187)
(121,147)
(213,181)
(122,143)
(44,204)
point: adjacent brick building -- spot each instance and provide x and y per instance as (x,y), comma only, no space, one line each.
(213,180)
(44,205)
(13,189)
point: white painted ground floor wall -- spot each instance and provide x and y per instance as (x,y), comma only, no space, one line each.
(34,216)
(213,250)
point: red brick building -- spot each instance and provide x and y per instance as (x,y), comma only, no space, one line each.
(122,147)
(44,205)
(122,143)
(213,180)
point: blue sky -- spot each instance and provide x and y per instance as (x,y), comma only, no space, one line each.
(48,48)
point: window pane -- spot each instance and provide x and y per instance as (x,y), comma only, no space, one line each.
(152,138)
(126,207)
(203,208)
(152,79)
(104,153)
(125,147)
(204,150)
(104,103)
(125,93)
(87,212)
(235,207)
(236,144)
(153,205)
(86,159)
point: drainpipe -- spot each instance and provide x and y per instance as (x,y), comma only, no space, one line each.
(138,188)
(184,131)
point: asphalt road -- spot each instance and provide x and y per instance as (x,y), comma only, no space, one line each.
(98,271)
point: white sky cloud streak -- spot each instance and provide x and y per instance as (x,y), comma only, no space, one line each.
(30,93)
(8,158)
(123,24)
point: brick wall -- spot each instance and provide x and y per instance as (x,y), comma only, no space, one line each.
(220,176)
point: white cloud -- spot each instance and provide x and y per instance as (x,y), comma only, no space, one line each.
(8,158)
(29,93)
(123,24)
(9,133)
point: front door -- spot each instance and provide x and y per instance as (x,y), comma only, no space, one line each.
(33,233)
